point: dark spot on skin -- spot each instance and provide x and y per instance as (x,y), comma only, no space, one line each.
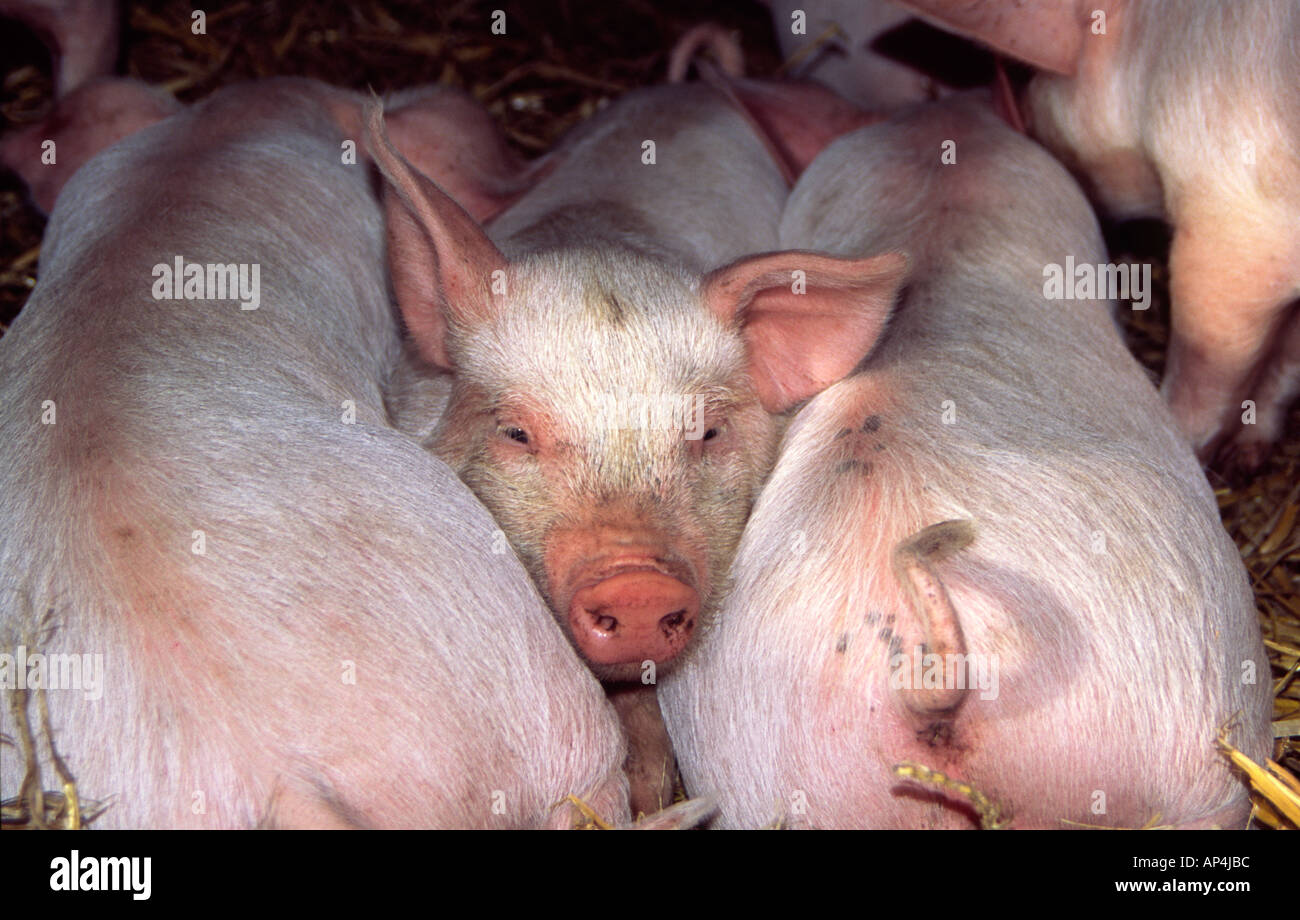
(125,532)
(880,447)
(873,617)
(896,646)
(871,424)
(841,645)
(890,619)
(936,734)
(614,311)
(885,634)
(860,466)
(843,432)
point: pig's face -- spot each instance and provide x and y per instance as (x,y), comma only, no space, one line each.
(616,414)
(609,422)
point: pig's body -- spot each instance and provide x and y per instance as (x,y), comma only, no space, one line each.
(1187,110)
(612,405)
(712,195)
(348,649)
(1099,581)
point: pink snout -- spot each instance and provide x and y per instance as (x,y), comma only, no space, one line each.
(634,616)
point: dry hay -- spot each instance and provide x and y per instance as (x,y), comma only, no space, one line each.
(556,64)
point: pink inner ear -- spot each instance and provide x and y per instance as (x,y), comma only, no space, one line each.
(415,282)
(440,260)
(801,343)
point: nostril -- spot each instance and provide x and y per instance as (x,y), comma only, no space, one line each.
(673,621)
(632,616)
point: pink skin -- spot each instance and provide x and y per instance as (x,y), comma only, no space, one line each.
(999,486)
(1155,134)
(795,120)
(334,546)
(627,529)
(94,117)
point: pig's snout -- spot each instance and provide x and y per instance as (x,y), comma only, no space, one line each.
(633,616)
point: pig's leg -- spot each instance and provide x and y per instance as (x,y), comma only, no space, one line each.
(1276,387)
(1228,282)
(650,764)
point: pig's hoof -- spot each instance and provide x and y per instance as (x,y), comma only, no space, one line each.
(1239,460)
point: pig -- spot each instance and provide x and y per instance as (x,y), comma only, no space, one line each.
(277,609)
(472,161)
(92,118)
(620,364)
(93,109)
(1187,110)
(999,487)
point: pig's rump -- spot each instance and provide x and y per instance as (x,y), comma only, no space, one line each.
(1086,646)
(300,615)
(1097,579)
(227,673)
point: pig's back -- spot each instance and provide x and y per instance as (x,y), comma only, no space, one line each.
(974,326)
(1097,540)
(301,617)
(713,194)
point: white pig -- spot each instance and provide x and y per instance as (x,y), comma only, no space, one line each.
(1187,110)
(284,612)
(989,553)
(616,396)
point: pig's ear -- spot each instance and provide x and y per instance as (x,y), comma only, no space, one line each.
(440,260)
(807,319)
(91,119)
(1046,33)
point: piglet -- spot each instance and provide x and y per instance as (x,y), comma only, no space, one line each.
(987,579)
(1187,110)
(616,396)
(269,607)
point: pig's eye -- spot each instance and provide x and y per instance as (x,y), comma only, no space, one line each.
(710,434)
(517,434)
